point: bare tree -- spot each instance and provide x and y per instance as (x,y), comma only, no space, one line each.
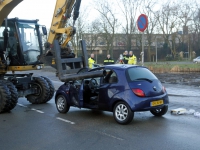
(108,23)
(129,10)
(167,20)
(152,22)
(196,28)
(81,28)
(184,19)
(92,36)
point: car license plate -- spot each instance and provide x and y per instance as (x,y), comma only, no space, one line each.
(156,103)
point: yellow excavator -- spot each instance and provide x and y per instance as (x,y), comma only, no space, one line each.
(22,49)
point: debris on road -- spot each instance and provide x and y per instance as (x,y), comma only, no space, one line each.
(178,111)
(183,111)
(197,114)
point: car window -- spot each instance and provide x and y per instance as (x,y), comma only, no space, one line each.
(110,76)
(136,73)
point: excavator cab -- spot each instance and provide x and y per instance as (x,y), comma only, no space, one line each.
(20,42)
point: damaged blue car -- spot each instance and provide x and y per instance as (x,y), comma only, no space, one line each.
(119,88)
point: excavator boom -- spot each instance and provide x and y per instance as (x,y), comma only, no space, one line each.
(6,6)
(62,13)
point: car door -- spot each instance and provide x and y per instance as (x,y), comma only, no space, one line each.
(107,89)
(76,94)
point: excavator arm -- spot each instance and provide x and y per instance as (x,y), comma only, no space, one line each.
(62,13)
(6,6)
(29,52)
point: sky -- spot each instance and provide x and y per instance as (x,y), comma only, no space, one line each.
(38,9)
(43,10)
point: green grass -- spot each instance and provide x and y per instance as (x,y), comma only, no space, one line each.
(173,67)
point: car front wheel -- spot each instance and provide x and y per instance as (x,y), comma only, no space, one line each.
(122,113)
(61,104)
(159,111)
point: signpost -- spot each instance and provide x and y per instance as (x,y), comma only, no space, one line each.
(142,23)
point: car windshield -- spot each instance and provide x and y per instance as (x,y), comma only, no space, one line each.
(139,73)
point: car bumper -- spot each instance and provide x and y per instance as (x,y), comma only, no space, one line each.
(146,104)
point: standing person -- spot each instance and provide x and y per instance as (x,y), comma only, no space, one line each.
(108,60)
(12,44)
(125,56)
(132,58)
(91,61)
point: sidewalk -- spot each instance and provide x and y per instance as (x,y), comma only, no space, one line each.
(182,90)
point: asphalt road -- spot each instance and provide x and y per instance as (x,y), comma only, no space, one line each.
(36,127)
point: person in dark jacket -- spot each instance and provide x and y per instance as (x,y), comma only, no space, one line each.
(125,56)
(108,60)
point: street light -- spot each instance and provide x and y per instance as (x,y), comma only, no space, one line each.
(156,49)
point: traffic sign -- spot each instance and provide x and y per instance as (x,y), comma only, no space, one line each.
(142,22)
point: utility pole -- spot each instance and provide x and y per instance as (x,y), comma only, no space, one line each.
(156,50)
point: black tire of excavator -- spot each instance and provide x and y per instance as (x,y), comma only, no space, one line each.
(14,94)
(51,88)
(5,97)
(42,96)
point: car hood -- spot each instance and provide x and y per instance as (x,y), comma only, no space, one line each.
(149,87)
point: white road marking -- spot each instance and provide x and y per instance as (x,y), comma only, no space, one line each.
(65,120)
(109,135)
(21,105)
(31,108)
(37,110)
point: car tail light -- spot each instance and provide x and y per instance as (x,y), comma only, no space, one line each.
(138,92)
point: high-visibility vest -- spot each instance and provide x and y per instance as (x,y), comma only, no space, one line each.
(91,61)
(132,60)
(108,61)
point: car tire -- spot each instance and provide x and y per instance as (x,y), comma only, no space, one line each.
(61,104)
(122,113)
(160,111)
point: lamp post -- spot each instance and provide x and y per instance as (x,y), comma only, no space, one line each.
(142,48)
(156,49)
(188,49)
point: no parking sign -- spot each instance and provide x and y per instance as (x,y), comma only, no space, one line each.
(142,22)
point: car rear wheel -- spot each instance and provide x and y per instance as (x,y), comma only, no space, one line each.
(159,111)
(61,104)
(122,113)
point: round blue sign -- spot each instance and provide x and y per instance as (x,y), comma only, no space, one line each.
(142,22)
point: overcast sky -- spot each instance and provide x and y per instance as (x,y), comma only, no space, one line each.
(38,9)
